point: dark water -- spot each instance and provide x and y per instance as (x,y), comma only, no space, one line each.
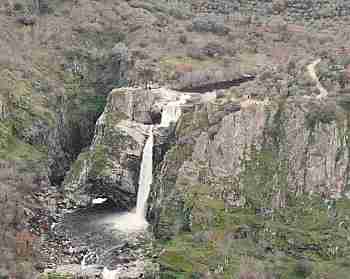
(107,236)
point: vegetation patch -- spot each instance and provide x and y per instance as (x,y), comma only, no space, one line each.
(190,122)
(306,230)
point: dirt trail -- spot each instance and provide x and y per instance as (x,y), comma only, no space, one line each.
(313,75)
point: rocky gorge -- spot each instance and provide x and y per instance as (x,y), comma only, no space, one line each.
(222,154)
(161,139)
(213,154)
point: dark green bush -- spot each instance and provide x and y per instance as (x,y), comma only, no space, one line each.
(320,114)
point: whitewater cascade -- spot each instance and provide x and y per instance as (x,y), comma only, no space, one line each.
(171,113)
(146,176)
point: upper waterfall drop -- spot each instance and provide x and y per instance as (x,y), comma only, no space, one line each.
(172,111)
(146,176)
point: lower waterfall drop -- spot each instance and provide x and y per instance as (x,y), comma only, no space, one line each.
(146,177)
(136,221)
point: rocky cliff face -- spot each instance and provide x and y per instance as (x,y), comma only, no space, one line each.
(110,167)
(261,179)
(252,156)
(248,153)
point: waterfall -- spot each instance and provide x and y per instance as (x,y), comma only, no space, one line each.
(146,176)
(172,111)
(136,221)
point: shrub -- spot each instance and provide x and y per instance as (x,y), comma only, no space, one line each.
(201,237)
(303,268)
(196,275)
(324,113)
(209,23)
